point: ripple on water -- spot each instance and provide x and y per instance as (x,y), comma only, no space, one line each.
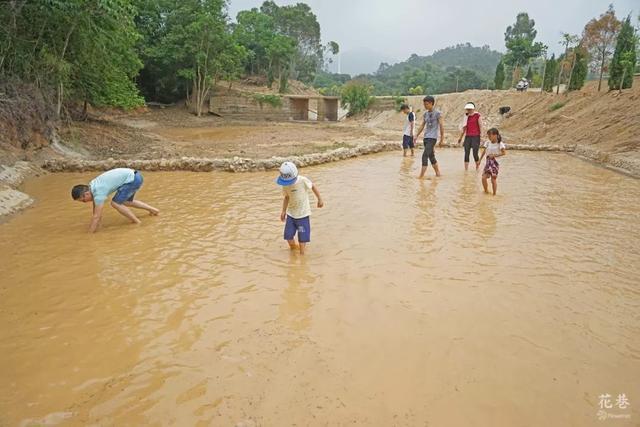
(204,315)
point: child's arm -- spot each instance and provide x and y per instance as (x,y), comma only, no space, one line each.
(464,130)
(317,193)
(285,203)
(441,123)
(424,122)
(484,151)
(503,152)
(413,126)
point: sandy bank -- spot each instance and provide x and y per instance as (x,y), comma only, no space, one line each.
(11,177)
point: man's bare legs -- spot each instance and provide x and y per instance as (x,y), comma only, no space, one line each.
(436,168)
(126,212)
(141,205)
(422,172)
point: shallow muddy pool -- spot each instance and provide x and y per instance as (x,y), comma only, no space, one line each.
(417,303)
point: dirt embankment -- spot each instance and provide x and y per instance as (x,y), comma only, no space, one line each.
(601,126)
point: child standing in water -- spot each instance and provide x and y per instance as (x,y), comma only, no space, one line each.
(492,149)
(471,132)
(433,126)
(409,127)
(296,208)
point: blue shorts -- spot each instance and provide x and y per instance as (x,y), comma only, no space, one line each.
(407,142)
(300,225)
(126,191)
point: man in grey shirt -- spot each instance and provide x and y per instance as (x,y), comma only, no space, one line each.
(433,126)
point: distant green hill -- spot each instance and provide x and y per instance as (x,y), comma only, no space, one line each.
(459,67)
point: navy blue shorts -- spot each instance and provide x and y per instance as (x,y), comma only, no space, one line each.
(126,191)
(407,142)
(302,226)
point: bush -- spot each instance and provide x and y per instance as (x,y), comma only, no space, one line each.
(557,106)
(356,95)
(398,101)
(273,100)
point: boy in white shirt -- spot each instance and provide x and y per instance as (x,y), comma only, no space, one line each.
(296,208)
(409,127)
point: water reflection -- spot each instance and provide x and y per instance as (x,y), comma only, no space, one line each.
(295,309)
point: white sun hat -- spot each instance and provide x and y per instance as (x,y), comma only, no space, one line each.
(288,174)
(469,106)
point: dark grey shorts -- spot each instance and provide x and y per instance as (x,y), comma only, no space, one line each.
(429,155)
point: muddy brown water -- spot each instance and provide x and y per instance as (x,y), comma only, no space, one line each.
(418,303)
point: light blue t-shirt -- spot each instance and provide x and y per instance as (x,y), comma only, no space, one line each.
(109,182)
(431,128)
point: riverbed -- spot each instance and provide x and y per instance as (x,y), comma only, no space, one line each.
(418,302)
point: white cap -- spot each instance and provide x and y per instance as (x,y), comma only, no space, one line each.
(288,174)
(469,106)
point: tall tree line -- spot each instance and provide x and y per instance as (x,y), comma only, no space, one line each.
(606,45)
(121,52)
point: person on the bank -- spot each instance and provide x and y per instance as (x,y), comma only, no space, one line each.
(122,181)
(296,208)
(409,127)
(471,132)
(493,149)
(433,125)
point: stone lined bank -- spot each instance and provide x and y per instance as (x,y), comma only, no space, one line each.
(237,164)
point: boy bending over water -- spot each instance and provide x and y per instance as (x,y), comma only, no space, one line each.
(296,208)
(493,149)
(122,181)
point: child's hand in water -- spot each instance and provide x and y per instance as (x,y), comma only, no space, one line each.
(283,216)
(320,203)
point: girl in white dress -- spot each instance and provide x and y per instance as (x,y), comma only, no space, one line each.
(493,149)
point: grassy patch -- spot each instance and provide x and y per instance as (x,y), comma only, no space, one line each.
(398,101)
(273,100)
(557,106)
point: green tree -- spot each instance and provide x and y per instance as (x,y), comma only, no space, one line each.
(279,52)
(599,37)
(198,40)
(499,77)
(356,95)
(550,74)
(579,68)
(563,64)
(529,75)
(298,22)
(255,31)
(624,57)
(520,43)
(81,49)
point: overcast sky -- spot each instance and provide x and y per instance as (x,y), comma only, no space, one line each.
(398,28)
